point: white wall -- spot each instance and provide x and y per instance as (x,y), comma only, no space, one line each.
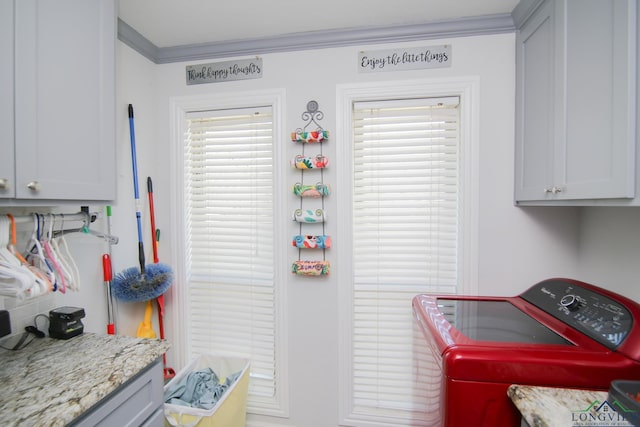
(136,84)
(516,246)
(609,249)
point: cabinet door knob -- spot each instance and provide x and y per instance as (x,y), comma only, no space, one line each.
(554,190)
(33,186)
(4,184)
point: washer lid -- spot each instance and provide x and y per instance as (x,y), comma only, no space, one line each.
(496,321)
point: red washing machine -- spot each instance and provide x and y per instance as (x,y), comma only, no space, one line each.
(558,333)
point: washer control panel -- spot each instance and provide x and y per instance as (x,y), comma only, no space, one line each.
(596,315)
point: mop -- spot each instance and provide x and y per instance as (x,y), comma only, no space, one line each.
(147,282)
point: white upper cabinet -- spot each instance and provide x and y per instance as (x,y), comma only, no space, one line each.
(64,95)
(6,99)
(576,103)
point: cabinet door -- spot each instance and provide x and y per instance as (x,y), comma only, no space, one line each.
(7,187)
(576,94)
(65,93)
(597,159)
(136,403)
(535,106)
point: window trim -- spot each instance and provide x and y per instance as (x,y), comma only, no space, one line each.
(178,108)
(467,88)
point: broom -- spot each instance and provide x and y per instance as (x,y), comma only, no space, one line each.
(155,236)
(147,282)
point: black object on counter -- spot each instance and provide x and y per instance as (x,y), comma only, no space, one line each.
(5,323)
(623,395)
(64,322)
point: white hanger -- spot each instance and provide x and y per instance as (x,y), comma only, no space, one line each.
(12,282)
(51,255)
(64,258)
(15,279)
(35,254)
(42,282)
(5,254)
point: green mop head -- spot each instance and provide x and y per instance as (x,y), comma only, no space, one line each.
(132,286)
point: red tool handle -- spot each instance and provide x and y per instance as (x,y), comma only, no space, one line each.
(106,268)
(108,275)
(154,242)
(168,372)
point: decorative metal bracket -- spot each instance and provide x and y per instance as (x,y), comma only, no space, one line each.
(312,115)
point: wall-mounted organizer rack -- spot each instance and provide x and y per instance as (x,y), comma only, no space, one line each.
(46,264)
(311,189)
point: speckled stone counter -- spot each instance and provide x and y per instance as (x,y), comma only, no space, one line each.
(51,382)
(558,407)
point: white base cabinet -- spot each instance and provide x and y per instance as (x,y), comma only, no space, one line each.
(62,102)
(138,402)
(576,103)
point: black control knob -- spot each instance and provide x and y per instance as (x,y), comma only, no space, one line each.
(570,302)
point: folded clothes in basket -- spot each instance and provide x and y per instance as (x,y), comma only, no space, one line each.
(199,389)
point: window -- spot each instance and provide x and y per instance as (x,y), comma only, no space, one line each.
(231,300)
(405,194)
(403,161)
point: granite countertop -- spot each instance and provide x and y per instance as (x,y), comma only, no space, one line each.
(51,382)
(560,407)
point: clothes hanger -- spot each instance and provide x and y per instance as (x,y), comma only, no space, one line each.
(51,259)
(15,280)
(57,260)
(13,283)
(42,282)
(5,254)
(60,246)
(35,253)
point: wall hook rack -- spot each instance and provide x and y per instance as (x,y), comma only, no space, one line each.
(307,216)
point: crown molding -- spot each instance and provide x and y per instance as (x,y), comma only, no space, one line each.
(483,25)
(136,41)
(523,11)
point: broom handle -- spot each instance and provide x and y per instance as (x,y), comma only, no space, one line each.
(154,242)
(136,193)
(168,372)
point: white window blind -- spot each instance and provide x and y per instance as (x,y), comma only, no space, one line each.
(231,291)
(405,242)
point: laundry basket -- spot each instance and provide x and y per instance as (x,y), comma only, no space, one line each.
(229,411)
